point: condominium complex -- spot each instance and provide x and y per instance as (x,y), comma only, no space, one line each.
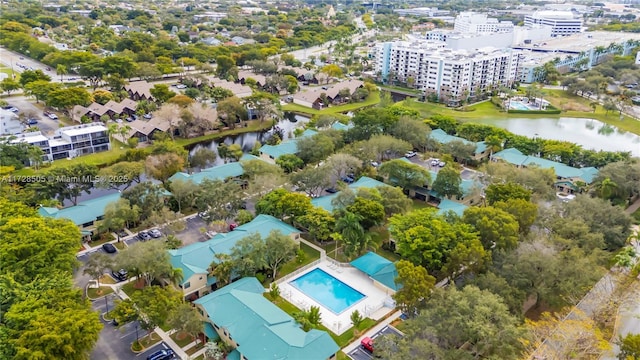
(562,22)
(476,23)
(69,142)
(450,74)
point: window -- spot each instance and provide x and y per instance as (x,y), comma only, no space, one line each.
(186,285)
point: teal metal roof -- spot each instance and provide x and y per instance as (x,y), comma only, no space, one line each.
(448,205)
(261,329)
(85,212)
(442,137)
(378,268)
(211,333)
(324,202)
(515,157)
(197,257)
(340,126)
(287,147)
(234,355)
(220,172)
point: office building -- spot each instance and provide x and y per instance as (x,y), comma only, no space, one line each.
(563,23)
(449,74)
(476,23)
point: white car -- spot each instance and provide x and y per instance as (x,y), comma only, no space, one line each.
(52,116)
(410,154)
(435,162)
(442,164)
(181,86)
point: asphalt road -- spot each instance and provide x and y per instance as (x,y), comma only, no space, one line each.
(360,353)
(11,60)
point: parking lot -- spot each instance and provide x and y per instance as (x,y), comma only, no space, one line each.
(28,109)
(361,354)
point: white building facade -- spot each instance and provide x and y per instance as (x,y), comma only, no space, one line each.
(448,74)
(476,23)
(563,23)
(69,142)
(10,123)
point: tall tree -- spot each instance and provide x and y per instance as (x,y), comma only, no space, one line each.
(163,166)
(351,232)
(120,175)
(186,319)
(415,284)
(97,265)
(497,228)
(248,255)
(447,182)
(280,248)
(218,200)
(405,174)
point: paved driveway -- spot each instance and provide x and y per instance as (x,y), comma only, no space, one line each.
(361,354)
(28,108)
(115,343)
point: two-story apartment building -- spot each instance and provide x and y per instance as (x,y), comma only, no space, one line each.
(195,259)
(256,329)
(85,214)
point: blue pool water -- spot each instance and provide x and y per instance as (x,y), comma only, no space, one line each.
(327,290)
(518,106)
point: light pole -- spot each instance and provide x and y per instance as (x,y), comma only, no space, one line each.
(106,302)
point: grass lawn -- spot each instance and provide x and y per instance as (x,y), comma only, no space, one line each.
(311,256)
(400,89)
(635,217)
(342,340)
(146,342)
(182,339)
(192,350)
(106,279)
(372,99)
(120,245)
(419,204)
(571,106)
(94,293)
(130,288)
(7,70)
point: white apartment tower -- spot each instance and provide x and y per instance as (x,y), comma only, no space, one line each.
(475,23)
(563,23)
(450,74)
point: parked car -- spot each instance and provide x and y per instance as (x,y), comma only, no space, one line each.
(435,162)
(367,344)
(375,164)
(331,190)
(52,116)
(181,86)
(11,108)
(155,233)
(232,226)
(347,179)
(442,164)
(120,275)
(108,247)
(143,235)
(164,354)
(147,116)
(410,154)
(32,121)
(123,233)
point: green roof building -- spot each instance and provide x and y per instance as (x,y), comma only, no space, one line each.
(481,150)
(567,176)
(84,214)
(243,318)
(364,182)
(382,271)
(271,153)
(195,259)
(220,172)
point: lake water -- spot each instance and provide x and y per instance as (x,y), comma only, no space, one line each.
(288,124)
(591,134)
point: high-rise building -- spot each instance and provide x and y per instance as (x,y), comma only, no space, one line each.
(562,22)
(476,23)
(450,74)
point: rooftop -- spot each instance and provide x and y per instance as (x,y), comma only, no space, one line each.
(261,329)
(84,212)
(325,202)
(197,257)
(286,147)
(442,137)
(220,172)
(515,157)
(378,268)
(81,129)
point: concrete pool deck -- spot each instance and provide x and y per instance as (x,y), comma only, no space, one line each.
(372,306)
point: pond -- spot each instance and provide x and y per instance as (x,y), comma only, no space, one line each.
(288,124)
(591,134)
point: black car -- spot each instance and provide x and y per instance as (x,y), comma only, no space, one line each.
(143,235)
(108,247)
(348,179)
(120,275)
(32,121)
(331,190)
(165,354)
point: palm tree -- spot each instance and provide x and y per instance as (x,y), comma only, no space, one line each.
(35,156)
(351,231)
(123,131)
(606,188)
(175,276)
(61,70)
(222,270)
(494,143)
(112,130)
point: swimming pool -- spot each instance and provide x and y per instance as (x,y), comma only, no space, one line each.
(515,105)
(327,290)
